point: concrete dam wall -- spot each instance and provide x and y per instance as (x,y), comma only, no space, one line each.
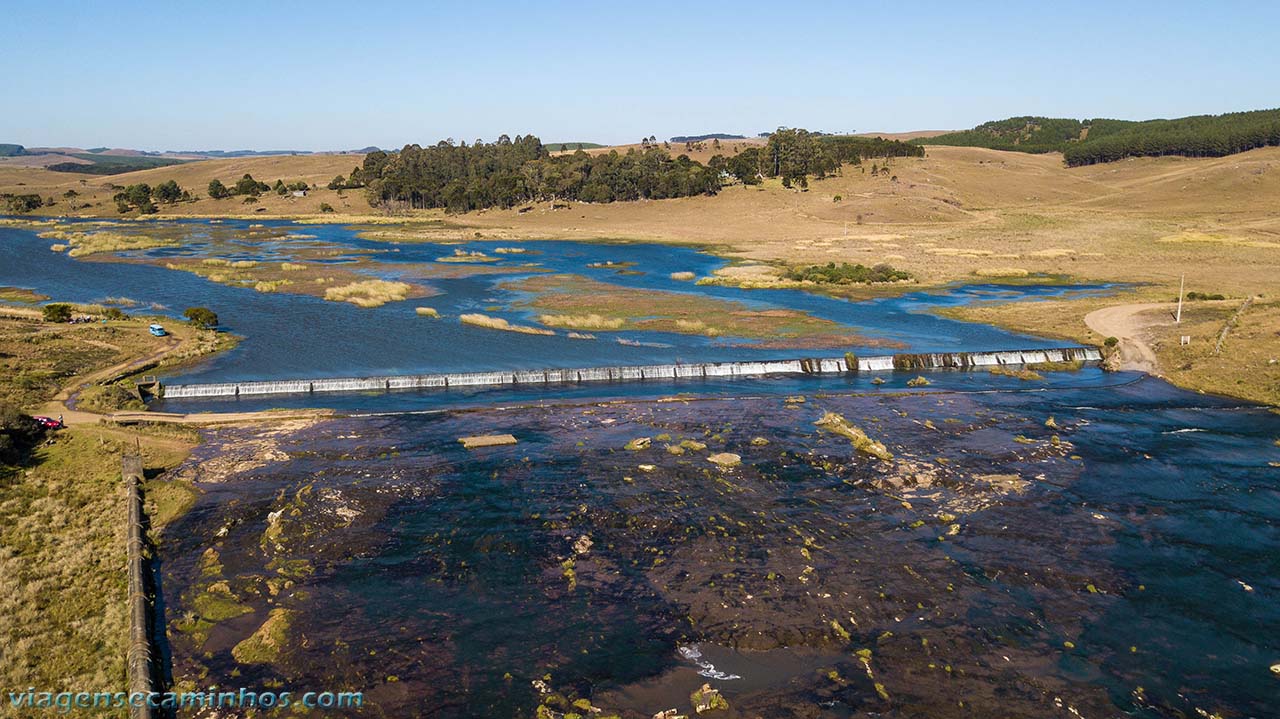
(827,365)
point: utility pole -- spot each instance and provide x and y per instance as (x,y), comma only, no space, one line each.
(1182,283)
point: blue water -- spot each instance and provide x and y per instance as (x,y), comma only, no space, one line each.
(292,336)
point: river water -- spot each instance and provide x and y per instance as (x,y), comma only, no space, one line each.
(1120,562)
(296,336)
(1091,545)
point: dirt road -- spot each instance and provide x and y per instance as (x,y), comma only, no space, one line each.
(1130,324)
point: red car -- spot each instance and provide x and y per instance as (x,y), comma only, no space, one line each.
(48,422)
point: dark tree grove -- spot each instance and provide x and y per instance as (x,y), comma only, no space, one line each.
(1086,142)
(505,173)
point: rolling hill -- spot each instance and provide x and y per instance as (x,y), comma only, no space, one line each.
(1085,142)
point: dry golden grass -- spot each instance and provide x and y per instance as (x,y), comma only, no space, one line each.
(96,191)
(369,293)
(583,322)
(497,323)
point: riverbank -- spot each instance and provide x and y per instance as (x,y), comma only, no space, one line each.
(1229,351)
(63,617)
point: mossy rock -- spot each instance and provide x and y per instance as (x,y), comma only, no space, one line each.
(265,645)
(217,603)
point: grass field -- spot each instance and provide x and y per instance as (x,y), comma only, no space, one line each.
(63,617)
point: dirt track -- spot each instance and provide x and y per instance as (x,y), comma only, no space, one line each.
(1129,324)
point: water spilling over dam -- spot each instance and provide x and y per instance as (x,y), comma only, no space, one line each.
(825,365)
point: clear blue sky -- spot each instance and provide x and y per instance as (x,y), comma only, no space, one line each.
(329,75)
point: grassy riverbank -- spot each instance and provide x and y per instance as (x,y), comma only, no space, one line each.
(63,617)
(1246,364)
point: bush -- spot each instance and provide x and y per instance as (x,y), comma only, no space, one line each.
(847,274)
(326,207)
(201,317)
(18,435)
(1111,342)
(57,312)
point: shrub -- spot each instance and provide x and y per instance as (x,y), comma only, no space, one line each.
(847,274)
(201,317)
(18,435)
(1111,342)
(57,312)
(326,207)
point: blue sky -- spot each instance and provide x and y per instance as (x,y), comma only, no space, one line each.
(321,75)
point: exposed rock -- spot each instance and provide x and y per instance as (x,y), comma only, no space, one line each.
(639,443)
(708,699)
(833,422)
(582,545)
(759,442)
(725,459)
(487,440)
(918,382)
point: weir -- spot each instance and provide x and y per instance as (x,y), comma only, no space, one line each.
(757,368)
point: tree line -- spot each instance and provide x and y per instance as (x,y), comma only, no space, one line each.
(144,198)
(508,172)
(1085,142)
(1198,136)
(251,189)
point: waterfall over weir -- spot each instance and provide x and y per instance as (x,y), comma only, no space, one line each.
(825,365)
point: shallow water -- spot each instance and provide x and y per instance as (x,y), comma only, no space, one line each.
(1112,559)
(292,336)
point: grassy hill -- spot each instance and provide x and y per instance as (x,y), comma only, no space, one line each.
(1085,142)
(93,194)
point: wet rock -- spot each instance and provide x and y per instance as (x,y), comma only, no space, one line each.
(693,445)
(877,381)
(265,645)
(837,424)
(670,714)
(918,382)
(708,699)
(1051,423)
(639,443)
(582,545)
(725,459)
(487,440)
(759,442)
